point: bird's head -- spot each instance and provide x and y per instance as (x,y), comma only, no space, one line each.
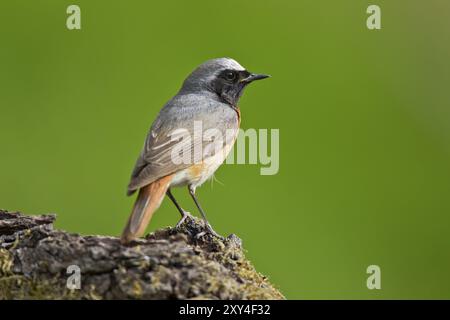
(224,77)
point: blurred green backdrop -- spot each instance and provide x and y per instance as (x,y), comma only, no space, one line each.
(364,119)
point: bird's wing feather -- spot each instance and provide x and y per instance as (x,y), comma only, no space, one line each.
(174,123)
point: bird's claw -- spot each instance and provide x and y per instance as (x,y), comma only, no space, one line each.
(183,218)
(211,231)
(200,234)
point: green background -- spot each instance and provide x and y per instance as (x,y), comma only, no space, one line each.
(364,119)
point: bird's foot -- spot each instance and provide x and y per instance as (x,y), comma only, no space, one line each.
(209,230)
(183,218)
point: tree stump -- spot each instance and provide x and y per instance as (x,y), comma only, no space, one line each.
(38,262)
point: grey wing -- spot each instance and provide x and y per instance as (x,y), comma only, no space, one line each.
(155,160)
(172,129)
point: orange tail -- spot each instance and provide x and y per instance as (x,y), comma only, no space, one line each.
(147,202)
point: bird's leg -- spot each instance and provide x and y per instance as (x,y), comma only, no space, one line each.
(208,226)
(184,214)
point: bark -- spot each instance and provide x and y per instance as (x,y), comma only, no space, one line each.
(167,264)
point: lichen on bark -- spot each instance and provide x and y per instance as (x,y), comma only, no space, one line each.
(167,264)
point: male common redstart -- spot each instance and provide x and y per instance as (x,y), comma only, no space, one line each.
(209,95)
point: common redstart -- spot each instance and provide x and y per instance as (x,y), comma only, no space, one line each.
(208,96)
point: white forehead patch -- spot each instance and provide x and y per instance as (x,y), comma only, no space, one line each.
(229,63)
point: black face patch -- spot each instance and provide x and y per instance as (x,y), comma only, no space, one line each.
(228,85)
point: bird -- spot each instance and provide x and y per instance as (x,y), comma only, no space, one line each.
(208,98)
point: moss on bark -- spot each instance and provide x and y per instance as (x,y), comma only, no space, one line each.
(167,264)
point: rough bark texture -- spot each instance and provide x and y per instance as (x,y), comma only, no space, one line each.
(167,264)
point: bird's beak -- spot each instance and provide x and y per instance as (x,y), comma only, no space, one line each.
(254,76)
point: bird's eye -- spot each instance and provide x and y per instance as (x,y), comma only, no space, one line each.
(230,75)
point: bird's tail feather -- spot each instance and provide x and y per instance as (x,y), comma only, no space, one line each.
(147,202)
